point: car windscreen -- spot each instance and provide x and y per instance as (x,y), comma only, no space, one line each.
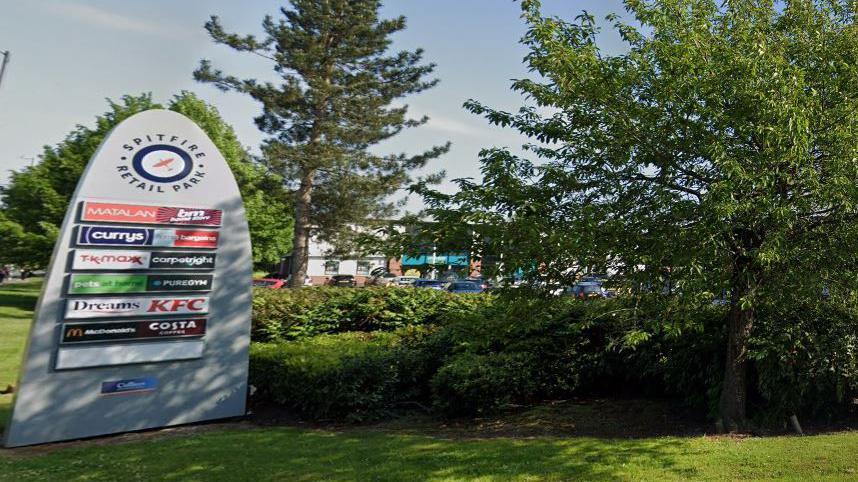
(466,286)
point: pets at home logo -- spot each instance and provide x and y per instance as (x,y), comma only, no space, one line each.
(162,163)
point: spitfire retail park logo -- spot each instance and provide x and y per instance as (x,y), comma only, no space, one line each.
(162,163)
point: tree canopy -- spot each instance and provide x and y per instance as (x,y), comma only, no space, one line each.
(36,198)
(718,153)
(338,83)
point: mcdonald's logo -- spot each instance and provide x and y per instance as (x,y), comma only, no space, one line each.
(74,332)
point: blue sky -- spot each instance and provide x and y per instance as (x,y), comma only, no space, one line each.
(68,56)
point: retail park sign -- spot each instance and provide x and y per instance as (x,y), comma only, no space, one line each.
(147,297)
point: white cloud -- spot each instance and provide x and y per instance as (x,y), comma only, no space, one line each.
(106,19)
(474,127)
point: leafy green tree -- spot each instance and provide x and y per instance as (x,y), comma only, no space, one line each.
(334,100)
(717,154)
(36,198)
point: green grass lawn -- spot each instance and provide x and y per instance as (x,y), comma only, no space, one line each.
(247,452)
(17,301)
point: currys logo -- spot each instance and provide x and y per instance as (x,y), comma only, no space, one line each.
(111,236)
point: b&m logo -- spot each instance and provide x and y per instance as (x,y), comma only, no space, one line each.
(113,236)
(143,214)
(161,163)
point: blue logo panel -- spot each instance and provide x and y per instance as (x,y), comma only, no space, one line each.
(114,236)
(144,384)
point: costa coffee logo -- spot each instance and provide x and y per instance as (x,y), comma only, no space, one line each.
(161,163)
(132,330)
(142,214)
(120,307)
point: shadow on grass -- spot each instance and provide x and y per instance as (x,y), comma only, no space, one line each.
(21,301)
(292,454)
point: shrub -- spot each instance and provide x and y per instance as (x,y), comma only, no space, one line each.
(291,314)
(346,376)
(478,354)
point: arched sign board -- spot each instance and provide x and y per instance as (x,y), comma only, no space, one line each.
(144,318)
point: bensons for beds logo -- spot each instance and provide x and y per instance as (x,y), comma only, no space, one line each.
(161,163)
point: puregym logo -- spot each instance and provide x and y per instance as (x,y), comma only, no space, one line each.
(120,307)
(179,282)
(93,259)
(90,284)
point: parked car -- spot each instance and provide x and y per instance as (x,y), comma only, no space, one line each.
(273,283)
(432,284)
(382,279)
(464,287)
(406,280)
(587,289)
(343,280)
(485,284)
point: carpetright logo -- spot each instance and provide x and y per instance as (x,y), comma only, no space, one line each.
(183,260)
(120,307)
(162,163)
(179,282)
(95,259)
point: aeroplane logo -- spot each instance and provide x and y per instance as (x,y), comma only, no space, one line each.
(165,163)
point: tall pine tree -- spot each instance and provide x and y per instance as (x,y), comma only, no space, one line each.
(335,100)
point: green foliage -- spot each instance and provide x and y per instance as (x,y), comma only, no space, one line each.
(289,314)
(346,376)
(717,151)
(35,201)
(482,357)
(334,99)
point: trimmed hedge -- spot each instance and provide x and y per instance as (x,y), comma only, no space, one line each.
(292,314)
(494,352)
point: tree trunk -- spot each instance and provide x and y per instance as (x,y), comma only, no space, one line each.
(734,389)
(301,239)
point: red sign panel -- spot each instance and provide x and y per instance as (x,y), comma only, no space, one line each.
(140,214)
(195,239)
